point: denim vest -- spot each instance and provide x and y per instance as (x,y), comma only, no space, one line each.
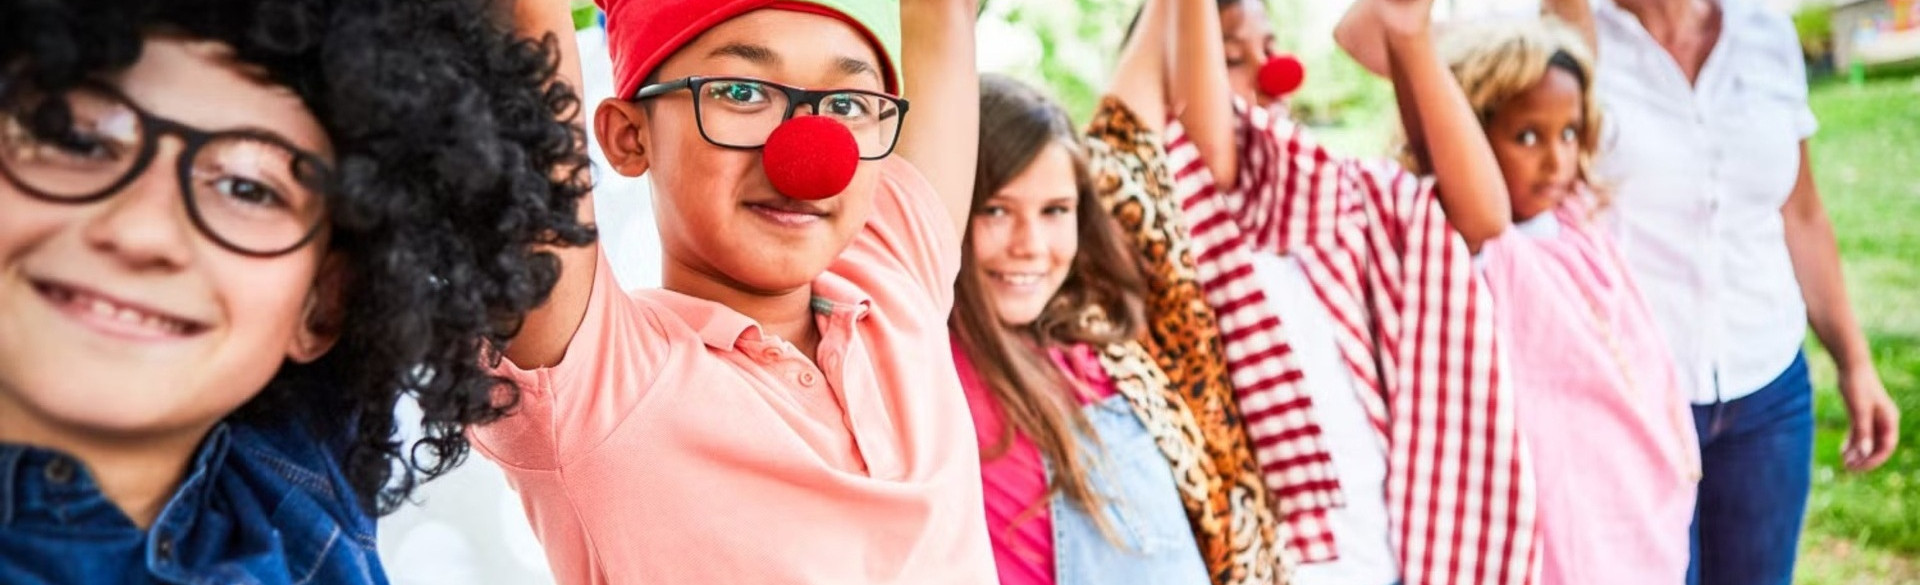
(1156,544)
(257,506)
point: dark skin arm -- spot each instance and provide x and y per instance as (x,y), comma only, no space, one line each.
(1361,36)
(1435,113)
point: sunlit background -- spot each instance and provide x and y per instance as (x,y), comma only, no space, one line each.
(469,529)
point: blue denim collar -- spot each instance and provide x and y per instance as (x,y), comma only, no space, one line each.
(258,504)
(37,479)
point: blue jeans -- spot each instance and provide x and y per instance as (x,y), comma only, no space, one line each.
(1142,506)
(1757,464)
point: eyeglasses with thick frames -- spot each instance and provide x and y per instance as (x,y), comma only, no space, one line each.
(248,191)
(741,112)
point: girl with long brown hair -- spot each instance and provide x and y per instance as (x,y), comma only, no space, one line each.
(1112,450)
(1047,308)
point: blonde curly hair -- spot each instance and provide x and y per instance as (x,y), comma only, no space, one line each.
(1498,60)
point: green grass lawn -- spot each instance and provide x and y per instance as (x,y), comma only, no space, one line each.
(1866,528)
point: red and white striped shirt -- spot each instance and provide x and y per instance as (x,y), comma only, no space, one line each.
(1412,321)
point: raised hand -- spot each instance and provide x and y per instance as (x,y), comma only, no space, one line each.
(1404,17)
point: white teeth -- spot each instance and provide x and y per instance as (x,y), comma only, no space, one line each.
(1020,278)
(107,310)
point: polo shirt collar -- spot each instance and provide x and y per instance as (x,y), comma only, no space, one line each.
(722,328)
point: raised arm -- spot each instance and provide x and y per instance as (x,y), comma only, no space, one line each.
(1577,14)
(942,131)
(547,331)
(1360,34)
(1441,125)
(1140,79)
(1202,97)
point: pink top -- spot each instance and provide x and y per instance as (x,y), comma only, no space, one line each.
(1616,472)
(678,443)
(1016,481)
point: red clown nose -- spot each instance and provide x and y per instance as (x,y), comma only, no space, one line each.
(1281,75)
(810,157)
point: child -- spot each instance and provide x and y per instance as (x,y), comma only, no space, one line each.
(232,235)
(1617,496)
(1168,368)
(772,415)
(1387,370)
(1087,453)
(1234,524)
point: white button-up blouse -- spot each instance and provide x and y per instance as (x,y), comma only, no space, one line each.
(1699,173)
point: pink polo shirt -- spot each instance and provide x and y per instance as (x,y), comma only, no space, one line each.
(677,443)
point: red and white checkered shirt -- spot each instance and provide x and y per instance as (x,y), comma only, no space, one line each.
(1412,321)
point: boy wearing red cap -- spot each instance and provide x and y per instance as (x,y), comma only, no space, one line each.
(774,414)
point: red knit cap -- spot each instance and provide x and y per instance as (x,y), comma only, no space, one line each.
(642,34)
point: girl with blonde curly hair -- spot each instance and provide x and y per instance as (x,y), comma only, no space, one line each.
(1599,398)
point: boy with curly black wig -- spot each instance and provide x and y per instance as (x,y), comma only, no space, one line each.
(781,411)
(232,235)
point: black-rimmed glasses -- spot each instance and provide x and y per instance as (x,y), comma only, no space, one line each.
(741,112)
(249,191)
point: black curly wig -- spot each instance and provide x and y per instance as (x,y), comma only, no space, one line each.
(450,169)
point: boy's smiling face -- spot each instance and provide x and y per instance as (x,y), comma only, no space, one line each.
(720,219)
(120,318)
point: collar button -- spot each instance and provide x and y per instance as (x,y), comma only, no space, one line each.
(60,471)
(164,549)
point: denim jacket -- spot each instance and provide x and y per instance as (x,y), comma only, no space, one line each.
(258,506)
(1155,543)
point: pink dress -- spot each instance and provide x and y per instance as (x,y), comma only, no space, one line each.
(1615,453)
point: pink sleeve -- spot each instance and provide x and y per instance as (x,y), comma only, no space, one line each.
(908,233)
(612,359)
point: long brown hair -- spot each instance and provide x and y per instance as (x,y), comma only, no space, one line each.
(1099,303)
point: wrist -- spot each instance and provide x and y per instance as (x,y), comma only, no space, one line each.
(1851,358)
(1854,369)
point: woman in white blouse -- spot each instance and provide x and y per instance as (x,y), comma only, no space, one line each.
(1722,224)
(1718,215)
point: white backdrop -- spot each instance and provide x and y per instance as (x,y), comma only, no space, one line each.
(468,527)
